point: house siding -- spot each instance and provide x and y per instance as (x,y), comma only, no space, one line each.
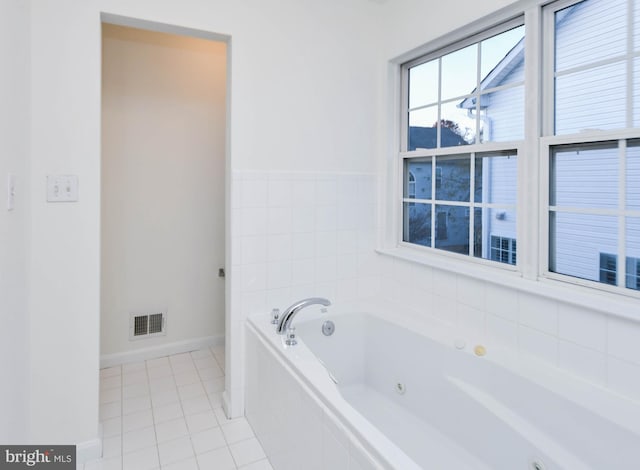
(585,100)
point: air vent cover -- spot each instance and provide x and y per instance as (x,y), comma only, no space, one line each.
(145,325)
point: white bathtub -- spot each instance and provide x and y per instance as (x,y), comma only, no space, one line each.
(402,400)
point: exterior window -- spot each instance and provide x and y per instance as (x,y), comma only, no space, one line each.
(594,183)
(608,271)
(469,94)
(503,249)
(608,268)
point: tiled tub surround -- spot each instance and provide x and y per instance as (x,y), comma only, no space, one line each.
(492,412)
(297,235)
(301,234)
(166,414)
(590,343)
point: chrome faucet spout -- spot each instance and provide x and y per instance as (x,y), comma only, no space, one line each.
(287,317)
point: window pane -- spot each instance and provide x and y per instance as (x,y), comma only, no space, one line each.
(423,84)
(420,172)
(457,128)
(632,280)
(589,31)
(503,115)
(591,99)
(495,235)
(493,52)
(452,229)
(633,176)
(496,179)
(453,178)
(478,244)
(422,128)
(584,177)
(577,240)
(459,72)
(417,223)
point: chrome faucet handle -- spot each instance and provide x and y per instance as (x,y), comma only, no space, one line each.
(275,316)
(291,336)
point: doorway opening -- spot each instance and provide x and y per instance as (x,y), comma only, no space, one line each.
(163,189)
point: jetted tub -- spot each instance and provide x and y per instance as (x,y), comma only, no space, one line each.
(406,401)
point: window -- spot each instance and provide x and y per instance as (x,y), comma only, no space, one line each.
(594,180)
(503,249)
(467,95)
(465,148)
(474,197)
(608,271)
(608,268)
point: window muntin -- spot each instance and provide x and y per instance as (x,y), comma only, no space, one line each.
(592,217)
(448,93)
(470,202)
(471,94)
(594,181)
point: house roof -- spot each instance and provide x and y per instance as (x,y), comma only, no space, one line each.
(425,138)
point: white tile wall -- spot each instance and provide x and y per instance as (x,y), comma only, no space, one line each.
(304,234)
(597,347)
(297,235)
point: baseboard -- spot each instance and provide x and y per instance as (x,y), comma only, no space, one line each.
(88,450)
(110,360)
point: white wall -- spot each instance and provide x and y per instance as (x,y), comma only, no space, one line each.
(302,98)
(64,238)
(163,183)
(14,150)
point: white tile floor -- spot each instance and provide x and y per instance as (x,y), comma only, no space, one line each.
(166,414)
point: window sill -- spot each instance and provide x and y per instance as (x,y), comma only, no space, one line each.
(613,304)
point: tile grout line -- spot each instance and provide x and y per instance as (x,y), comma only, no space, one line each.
(153,417)
(146,380)
(121,416)
(184,416)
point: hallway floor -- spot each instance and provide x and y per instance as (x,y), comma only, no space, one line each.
(165,414)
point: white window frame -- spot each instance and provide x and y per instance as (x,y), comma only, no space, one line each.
(533,168)
(434,255)
(548,141)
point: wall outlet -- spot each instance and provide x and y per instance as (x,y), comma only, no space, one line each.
(62,188)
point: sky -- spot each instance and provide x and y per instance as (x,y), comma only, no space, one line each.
(459,77)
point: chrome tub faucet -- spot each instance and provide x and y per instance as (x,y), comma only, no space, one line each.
(287,317)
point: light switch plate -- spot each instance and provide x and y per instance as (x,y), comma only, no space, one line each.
(62,188)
